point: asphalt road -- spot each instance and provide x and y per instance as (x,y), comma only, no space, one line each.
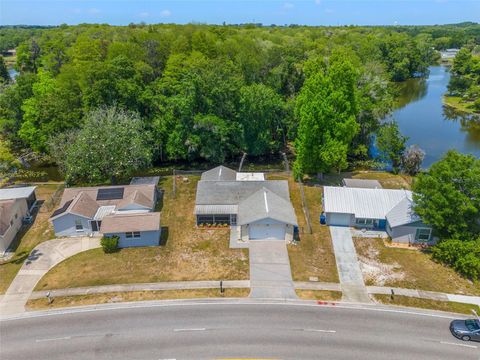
(216,331)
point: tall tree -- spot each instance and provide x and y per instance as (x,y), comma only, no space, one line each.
(391,144)
(4,75)
(447,196)
(326,109)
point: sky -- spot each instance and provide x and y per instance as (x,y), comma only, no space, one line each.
(279,12)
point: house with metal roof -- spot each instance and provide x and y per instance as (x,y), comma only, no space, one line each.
(378,209)
(362,183)
(16,205)
(260,208)
(125,211)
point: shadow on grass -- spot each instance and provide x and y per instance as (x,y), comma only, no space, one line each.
(164,236)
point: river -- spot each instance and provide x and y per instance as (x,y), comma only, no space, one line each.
(436,128)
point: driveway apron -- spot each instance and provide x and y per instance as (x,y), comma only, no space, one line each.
(349,272)
(44,257)
(270,274)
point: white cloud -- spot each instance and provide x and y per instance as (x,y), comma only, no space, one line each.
(144,14)
(165,13)
(288,5)
(318,2)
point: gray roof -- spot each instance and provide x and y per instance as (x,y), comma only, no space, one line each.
(145,180)
(16,193)
(215,209)
(265,204)
(220,173)
(234,192)
(362,183)
(402,214)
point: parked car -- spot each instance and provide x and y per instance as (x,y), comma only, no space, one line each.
(466,330)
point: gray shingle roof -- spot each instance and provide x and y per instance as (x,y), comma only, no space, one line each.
(265,204)
(220,173)
(233,192)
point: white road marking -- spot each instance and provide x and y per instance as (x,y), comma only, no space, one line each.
(456,344)
(194,329)
(54,339)
(320,330)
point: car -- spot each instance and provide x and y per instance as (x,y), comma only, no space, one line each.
(466,330)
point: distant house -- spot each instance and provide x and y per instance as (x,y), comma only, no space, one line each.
(449,54)
(16,205)
(362,183)
(126,211)
(380,209)
(261,208)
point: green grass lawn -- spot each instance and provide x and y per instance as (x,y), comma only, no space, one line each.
(188,253)
(457,103)
(411,269)
(41,230)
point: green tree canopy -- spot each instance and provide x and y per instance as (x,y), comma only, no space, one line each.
(391,144)
(447,196)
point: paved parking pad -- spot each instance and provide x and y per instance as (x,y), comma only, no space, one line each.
(270,274)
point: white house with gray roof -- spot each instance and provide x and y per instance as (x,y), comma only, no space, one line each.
(378,209)
(262,208)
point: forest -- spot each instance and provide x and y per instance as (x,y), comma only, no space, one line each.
(210,93)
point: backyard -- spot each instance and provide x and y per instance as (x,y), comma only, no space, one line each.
(29,237)
(408,268)
(186,253)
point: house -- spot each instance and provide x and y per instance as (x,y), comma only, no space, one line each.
(379,209)
(362,183)
(16,205)
(261,208)
(125,211)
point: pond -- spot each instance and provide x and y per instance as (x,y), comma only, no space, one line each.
(13,73)
(436,128)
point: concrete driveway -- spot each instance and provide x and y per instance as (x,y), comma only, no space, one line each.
(270,274)
(349,272)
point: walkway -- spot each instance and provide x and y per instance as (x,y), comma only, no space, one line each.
(44,257)
(270,274)
(349,272)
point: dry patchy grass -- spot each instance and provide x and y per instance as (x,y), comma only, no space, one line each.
(449,306)
(325,295)
(313,256)
(29,237)
(188,254)
(417,269)
(386,179)
(91,299)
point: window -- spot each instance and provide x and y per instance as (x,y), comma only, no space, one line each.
(132,235)
(221,219)
(204,219)
(78,225)
(423,234)
(233,219)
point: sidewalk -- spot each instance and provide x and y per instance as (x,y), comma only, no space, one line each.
(44,257)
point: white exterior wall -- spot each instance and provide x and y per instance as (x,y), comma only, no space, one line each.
(147,238)
(20,208)
(288,228)
(65,226)
(340,219)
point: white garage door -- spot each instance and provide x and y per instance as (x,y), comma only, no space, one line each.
(339,219)
(266,231)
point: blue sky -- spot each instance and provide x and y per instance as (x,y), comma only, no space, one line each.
(309,12)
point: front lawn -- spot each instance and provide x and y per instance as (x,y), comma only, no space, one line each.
(313,256)
(386,179)
(40,231)
(188,254)
(408,268)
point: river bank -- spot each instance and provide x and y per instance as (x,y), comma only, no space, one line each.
(456,103)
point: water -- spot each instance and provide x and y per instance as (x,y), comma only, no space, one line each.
(427,122)
(13,73)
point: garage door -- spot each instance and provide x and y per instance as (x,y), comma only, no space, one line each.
(266,231)
(338,219)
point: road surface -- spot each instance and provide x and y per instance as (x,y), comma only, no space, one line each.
(216,331)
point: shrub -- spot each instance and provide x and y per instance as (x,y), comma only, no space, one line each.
(109,244)
(462,256)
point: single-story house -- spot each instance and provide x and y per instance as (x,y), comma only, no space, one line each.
(124,210)
(262,208)
(16,205)
(362,183)
(380,209)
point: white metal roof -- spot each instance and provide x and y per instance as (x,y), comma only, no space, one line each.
(402,214)
(16,193)
(244,176)
(363,203)
(103,211)
(215,209)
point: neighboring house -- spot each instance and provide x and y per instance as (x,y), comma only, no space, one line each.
(362,183)
(379,209)
(262,208)
(126,211)
(15,205)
